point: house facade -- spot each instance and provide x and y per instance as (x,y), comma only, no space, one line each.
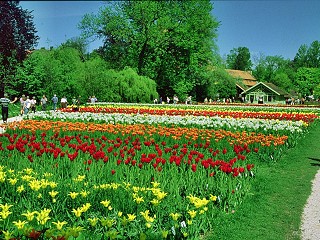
(263,92)
(251,91)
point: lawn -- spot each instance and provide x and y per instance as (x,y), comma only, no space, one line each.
(274,208)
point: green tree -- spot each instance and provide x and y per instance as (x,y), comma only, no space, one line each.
(300,58)
(17,38)
(314,55)
(308,56)
(220,84)
(307,80)
(61,71)
(239,59)
(79,44)
(274,69)
(171,42)
(55,71)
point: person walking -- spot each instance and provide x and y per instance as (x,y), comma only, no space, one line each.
(27,105)
(54,101)
(33,104)
(93,99)
(64,102)
(22,99)
(5,106)
(43,103)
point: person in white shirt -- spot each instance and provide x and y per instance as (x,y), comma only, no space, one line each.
(64,102)
(27,105)
(93,99)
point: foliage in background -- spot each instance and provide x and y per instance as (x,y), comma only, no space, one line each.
(62,71)
(17,37)
(239,59)
(299,75)
(307,79)
(220,84)
(168,41)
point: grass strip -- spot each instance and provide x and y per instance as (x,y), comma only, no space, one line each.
(274,209)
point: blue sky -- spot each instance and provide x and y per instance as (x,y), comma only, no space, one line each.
(265,27)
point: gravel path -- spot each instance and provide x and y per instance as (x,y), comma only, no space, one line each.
(13,119)
(310,227)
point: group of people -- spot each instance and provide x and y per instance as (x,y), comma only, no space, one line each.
(64,102)
(27,104)
(175,100)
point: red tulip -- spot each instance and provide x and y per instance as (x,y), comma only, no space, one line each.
(194,167)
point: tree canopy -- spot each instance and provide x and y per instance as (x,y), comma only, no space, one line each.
(17,38)
(63,72)
(171,42)
(308,56)
(239,59)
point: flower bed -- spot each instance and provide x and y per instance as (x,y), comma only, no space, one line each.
(292,116)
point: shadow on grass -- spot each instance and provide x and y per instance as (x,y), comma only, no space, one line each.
(315,159)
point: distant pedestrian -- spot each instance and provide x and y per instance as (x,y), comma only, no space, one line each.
(64,102)
(27,105)
(5,107)
(33,104)
(22,99)
(78,102)
(43,103)
(93,99)
(188,100)
(54,102)
(175,99)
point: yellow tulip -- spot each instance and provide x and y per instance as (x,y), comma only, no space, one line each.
(29,215)
(93,221)
(131,217)
(19,224)
(77,212)
(105,203)
(73,195)
(59,224)
(53,193)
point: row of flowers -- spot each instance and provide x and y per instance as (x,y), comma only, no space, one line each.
(293,116)
(148,131)
(221,106)
(95,208)
(250,124)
